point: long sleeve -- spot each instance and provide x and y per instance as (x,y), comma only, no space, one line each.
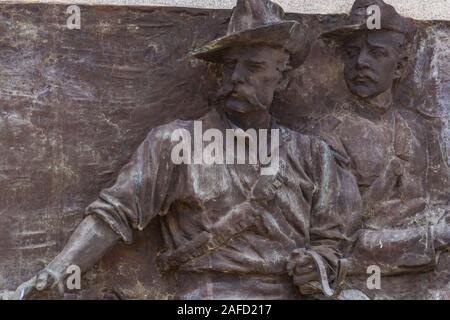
(328,233)
(394,251)
(141,190)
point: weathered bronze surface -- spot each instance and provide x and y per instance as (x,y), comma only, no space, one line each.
(77,104)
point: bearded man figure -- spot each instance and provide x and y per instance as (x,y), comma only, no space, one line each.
(229,230)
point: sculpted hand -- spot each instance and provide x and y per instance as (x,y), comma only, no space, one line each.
(441,233)
(304,272)
(42,281)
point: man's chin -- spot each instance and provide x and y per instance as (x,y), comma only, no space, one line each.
(362,91)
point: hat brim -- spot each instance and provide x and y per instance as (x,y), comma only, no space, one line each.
(338,35)
(273,35)
(342,33)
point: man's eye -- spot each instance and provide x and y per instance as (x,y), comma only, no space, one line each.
(378,52)
(351,53)
(254,66)
(229,64)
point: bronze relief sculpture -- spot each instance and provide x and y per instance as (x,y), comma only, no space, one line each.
(228,229)
(335,202)
(382,144)
(374,62)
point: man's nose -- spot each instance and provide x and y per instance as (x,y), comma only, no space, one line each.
(238,76)
(363,60)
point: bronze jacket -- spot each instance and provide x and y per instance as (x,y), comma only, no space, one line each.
(305,210)
(388,153)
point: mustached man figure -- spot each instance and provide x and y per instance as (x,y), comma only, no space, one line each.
(383,145)
(229,230)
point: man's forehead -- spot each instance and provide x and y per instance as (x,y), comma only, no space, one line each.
(379,38)
(260,53)
(385,38)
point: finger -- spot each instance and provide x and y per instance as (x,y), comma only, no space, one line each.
(291,265)
(304,261)
(296,254)
(25,292)
(301,270)
(301,280)
(300,266)
(25,289)
(42,281)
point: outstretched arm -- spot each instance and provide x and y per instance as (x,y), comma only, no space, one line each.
(138,195)
(87,245)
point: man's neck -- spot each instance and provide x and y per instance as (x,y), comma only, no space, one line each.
(260,119)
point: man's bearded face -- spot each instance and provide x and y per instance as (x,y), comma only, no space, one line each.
(372,62)
(251,75)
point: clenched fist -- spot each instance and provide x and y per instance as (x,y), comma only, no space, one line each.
(302,268)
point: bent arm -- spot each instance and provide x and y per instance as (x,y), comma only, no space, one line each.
(87,245)
(397,251)
(139,194)
(328,234)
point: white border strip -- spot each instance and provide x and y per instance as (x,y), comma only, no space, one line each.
(418,9)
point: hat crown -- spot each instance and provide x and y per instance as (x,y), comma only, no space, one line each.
(251,14)
(358,14)
(390,18)
(260,22)
(357,22)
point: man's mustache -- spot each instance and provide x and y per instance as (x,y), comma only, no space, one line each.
(364,76)
(229,92)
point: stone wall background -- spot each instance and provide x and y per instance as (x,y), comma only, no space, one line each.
(75,104)
(418,9)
